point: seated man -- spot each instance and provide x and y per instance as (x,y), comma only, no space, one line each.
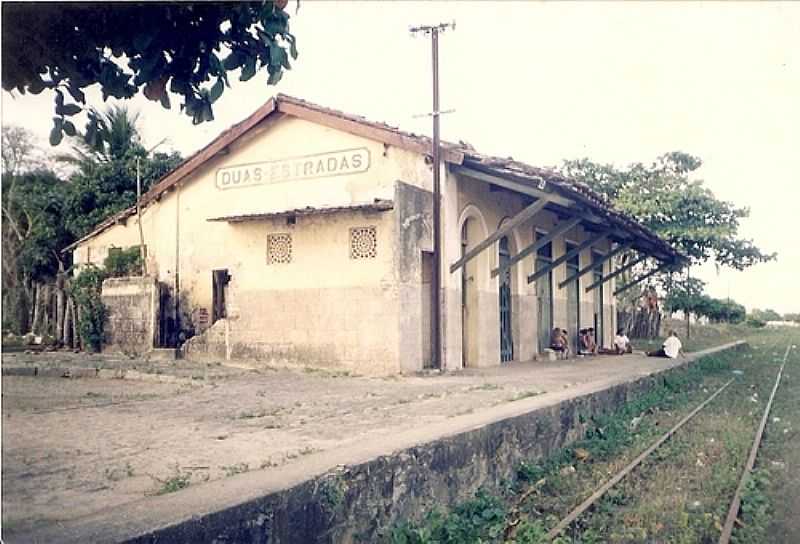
(672,347)
(558,342)
(622,343)
(588,345)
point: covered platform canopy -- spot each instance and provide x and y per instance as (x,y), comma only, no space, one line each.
(575,204)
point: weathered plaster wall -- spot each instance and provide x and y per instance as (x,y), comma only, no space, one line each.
(413,216)
(485,210)
(323,307)
(132,306)
(184,248)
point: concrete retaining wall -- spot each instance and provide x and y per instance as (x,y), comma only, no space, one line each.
(132,321)
(355,503)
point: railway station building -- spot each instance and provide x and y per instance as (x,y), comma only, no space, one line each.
(304,235)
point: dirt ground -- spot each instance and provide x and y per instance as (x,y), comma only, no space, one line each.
(75,446)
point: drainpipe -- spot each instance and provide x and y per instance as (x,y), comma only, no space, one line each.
(177,262)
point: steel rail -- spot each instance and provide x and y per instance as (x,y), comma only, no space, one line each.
(582,507)
(736,503)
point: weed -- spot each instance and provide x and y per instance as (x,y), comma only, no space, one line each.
(117,474)
(180,480)
(238,468)
(250,415)
(486,387)
(481,519)
(524,395)
(331,493)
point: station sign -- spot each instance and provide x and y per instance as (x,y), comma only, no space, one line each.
(321,165)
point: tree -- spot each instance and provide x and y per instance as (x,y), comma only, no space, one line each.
(104,182)
(185,48)
(682,211)
(17,150)
(765,315)
(33,234)
(687,297)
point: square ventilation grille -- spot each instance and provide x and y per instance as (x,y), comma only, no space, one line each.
(279,248)
(363,243)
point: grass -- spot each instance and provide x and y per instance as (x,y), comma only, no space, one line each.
(771,504)
(680,494)
(701,336)
(179,480)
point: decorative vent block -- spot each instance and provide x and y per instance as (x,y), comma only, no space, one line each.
(279,248)
(363,242)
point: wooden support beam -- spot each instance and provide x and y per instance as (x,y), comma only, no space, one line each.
(566,256)
(515,221)
(616,273)
(561,229)
(591,266)
(641,279)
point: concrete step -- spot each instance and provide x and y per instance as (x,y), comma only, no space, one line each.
(162,354)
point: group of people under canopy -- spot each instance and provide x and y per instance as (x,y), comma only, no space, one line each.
(559,342)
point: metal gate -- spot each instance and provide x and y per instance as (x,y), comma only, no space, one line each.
(506,340)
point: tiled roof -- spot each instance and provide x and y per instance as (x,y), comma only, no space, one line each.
(452,153)
(377,206)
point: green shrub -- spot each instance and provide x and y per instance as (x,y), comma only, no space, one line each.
(755,322)
(86,288)
(123,262)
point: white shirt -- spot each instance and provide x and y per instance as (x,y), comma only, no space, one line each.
(621,341)
(672,346)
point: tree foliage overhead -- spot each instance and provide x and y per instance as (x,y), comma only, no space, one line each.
(680,210)
(185,48)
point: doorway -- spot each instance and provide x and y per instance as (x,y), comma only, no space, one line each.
(573,300)
(506,337)
(427,309)
(599,296)
(544,294)
(219,283)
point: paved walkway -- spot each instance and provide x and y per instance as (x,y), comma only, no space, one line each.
(79,453)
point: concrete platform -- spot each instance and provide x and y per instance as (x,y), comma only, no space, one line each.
(383,449)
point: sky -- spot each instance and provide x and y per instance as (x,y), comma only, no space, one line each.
(548,81)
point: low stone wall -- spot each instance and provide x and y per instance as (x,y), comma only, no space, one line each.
(356,503)
(132,304)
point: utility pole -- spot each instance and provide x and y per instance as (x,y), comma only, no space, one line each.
(436,327)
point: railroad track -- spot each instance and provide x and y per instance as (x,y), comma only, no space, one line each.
(735,505)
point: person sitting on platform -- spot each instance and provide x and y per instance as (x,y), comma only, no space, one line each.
(587,343)
(671,349)
(622,343)
(558,342)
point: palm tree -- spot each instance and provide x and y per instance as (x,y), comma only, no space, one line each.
(118,139)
